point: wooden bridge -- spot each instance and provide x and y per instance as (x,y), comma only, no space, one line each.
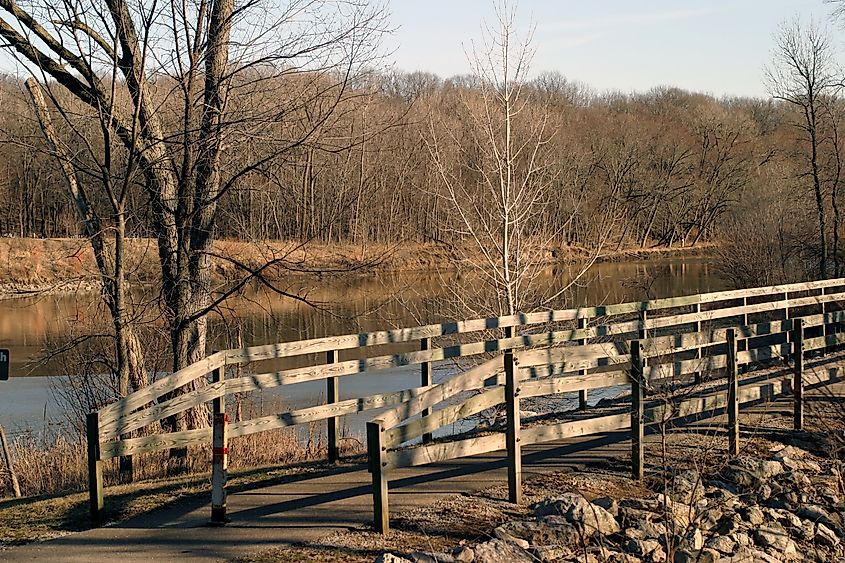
(678,357)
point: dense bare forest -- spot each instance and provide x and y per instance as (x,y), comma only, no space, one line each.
(663,168)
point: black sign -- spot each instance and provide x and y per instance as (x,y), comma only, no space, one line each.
(4,365)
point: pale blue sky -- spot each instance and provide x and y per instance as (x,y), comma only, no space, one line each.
(719,46)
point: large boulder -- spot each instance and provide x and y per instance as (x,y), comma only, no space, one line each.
(587,517)
(746,472)
(496,551)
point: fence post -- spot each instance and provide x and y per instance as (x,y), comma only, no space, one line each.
(333,423)
(95,467)
(733,394)
(582,394)
(376,455)
(786,312)
(697,377)
(425,379)
(637,410)
(219,454)
(642,333)
(10,463)
(826,328)
(512,439)
(798,374)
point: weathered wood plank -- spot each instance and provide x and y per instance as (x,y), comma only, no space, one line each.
(160,411)
(572,429)
(470,379)
(673,320)
(348,341)
(322,412)
(351,367)
(154,443)
(161,387)
(668,368)
(576,357)
(571,383)
(436,452)
(443,417)
(824,341)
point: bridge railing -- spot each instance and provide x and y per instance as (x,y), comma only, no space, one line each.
(670,377)
(131,425)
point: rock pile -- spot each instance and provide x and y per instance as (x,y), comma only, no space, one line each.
(785,508)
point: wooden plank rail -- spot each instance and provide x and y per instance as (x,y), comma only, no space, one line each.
(555,352)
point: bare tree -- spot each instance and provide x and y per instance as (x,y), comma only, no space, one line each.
(803,75)
(171,100)
(495,175)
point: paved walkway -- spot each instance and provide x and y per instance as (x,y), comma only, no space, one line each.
(302,510)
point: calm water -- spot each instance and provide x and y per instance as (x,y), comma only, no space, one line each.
(31,326)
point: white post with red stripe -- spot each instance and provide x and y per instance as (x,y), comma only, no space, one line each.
(219,456)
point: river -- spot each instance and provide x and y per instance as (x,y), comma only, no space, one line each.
(30,326)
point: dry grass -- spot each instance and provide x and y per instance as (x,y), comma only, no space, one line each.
(60,465)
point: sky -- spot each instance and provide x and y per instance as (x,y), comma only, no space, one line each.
(719,47)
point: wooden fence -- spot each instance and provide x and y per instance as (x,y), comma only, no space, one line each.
(524,355)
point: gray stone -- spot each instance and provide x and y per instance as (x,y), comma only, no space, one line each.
(748,472)
(742,539)
(585,516)
(825,536)
(763,557)
(496,551)
(693,540)
(608,503)
(753,515)
(710,518)
(551,553)
(423,557)
(828,495)
(686,487)
(775,538)
(641,548)
(390,558)
(463,554)
(503,534)
(551,530)
(816,514)
(722,544)
(729,524)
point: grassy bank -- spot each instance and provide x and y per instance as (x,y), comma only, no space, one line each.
(29,265)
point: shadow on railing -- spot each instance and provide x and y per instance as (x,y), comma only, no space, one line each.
(573,350)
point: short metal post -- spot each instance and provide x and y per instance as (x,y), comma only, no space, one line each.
(512,439)
(333,423)
(376,453)
(582,394)
(95,467)
(733,394)
(219,454)
(637,411)
(425,380)
(798,374)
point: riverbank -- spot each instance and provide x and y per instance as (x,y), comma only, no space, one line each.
(29,266)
